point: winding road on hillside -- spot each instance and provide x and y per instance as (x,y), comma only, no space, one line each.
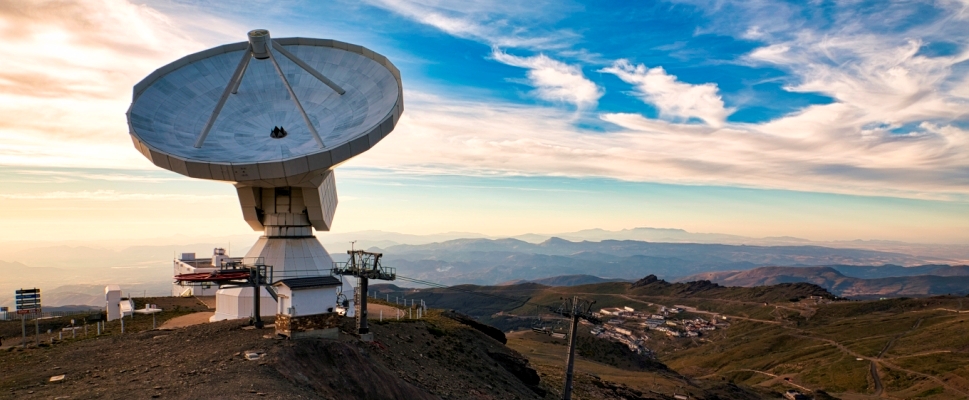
(876,379)
(879,389)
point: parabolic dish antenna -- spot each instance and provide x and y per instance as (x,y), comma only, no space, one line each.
(274,117)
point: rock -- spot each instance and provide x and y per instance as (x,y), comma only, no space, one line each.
(57,378)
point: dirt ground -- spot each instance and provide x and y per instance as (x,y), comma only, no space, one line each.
(433,358)
(375,310)
(409,359)
(201,317)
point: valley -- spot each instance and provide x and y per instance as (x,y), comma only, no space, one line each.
(782,337)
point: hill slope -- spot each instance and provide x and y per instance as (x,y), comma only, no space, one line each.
(838,283)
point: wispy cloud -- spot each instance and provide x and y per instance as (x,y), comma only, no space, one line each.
(673,98)
(443,136)
(63,175)
(506,24)
(111,195)
(554,80)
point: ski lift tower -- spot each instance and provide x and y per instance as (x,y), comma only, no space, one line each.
(365,266)
(575,309)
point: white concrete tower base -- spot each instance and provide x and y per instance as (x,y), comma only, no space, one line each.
(290,258)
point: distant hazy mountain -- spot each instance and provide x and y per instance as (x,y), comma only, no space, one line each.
(462,257)
(942,253)
(563,280)
(644,234)
(913,283)
(490,262)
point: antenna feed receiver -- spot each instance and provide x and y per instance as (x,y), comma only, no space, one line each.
(259,40)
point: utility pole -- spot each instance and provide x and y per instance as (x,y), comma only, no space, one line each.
(257,279)
(574,308)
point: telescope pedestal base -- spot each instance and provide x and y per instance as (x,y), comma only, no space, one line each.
(290,257)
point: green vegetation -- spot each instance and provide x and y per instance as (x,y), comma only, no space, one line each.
(819,342)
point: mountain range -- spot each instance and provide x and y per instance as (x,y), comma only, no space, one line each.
(864,282)
(493,261)
(77,271)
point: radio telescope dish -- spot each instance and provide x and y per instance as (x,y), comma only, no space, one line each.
(274,117)
(195,117)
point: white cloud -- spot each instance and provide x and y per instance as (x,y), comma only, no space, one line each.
(91,53)
(673,98)
(502,23)
(444,136)
(882,80)
(554,80)
(65,91)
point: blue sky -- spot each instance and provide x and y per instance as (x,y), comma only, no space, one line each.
(824,120)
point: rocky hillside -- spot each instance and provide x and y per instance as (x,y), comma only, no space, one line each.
(839,284)
(412,360)
(444,356)
(653,286)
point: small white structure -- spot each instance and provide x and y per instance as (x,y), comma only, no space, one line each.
(307,296)
(307,307)
(149,309)
(112,298)
(127,307)
(236,303)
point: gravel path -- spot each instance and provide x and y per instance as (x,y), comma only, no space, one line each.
(188,320)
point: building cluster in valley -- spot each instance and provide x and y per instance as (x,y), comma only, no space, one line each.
(630,327)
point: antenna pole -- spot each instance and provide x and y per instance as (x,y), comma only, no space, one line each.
(238,82)
(292,57)
(363,286)
(299,106)
(229,88)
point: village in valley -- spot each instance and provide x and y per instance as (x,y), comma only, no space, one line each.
(634,328)
(630,327)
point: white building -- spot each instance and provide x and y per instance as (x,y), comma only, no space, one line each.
(307,296)
(307,307)
(236,303)
(188,264)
